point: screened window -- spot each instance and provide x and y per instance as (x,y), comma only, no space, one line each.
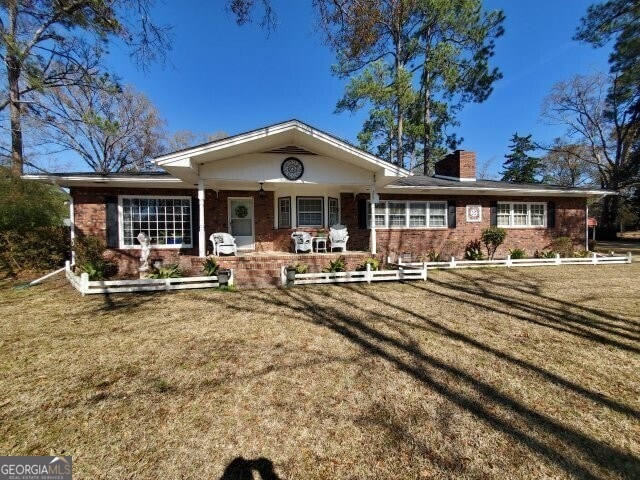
(166,220)
(310,211)
(522,214)
(334,211)
(284,212)
(395,214)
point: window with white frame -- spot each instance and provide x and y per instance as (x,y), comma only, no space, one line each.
(284,212)
(521,215)
(398,214)
(167,220)
(310,211)
(333,211)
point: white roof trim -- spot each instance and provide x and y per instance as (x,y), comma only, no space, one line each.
(472,189)
(272,130)
(102,180)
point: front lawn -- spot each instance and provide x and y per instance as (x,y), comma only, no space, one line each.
(492,373)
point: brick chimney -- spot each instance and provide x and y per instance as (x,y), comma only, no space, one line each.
(459,165)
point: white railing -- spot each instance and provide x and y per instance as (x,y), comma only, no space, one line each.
(594,259)
(406,272)
(87,287)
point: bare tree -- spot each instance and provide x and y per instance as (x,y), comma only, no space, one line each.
(564,165)
(111,130)
(42,44)
(182,139)
(605,125)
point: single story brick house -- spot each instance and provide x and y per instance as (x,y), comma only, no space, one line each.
(262,185)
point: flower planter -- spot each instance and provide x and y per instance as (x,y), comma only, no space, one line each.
(224,276)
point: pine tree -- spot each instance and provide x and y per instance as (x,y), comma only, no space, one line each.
(519,167)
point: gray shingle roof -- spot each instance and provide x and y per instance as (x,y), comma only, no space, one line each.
(428,182)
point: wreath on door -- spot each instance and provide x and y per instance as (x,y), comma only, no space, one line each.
(241,211)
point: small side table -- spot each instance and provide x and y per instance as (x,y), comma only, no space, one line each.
(319,243)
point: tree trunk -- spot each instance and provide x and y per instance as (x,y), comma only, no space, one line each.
(427,128)
(14,66)
(398,66)
(13,74)
(610,215)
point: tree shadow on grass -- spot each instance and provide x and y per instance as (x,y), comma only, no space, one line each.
(570,449)
(243,469)
(542,310)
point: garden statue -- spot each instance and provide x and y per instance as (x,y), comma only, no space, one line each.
(145,243)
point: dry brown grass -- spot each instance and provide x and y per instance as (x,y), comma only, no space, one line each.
(473,374)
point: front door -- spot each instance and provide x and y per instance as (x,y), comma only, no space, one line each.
(241,222)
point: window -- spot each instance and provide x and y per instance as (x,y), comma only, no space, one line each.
(334,211)
(310,211)
(418,214)
(437,214)
(284,212)
(396,214)
(504,214)
(521,215)
(381,216)
(166,220)
(537,215)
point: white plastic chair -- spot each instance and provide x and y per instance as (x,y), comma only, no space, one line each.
(301,241)
(338,237)
(223,243)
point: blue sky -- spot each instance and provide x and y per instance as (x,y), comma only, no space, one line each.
(234,79)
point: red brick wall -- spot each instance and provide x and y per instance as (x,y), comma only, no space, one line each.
(570,221)
(459,164)
(90,219)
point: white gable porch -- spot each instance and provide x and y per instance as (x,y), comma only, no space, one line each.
(290,160)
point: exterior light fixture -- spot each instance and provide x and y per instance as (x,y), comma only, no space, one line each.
(261,192)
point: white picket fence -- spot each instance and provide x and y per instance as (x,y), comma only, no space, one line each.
(406,272)
(87,287)
(594,259)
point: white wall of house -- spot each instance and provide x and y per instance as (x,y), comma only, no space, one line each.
(265,167)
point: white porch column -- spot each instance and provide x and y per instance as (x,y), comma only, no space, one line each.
(72,224)
(202,246)
(372,237)
(373,198)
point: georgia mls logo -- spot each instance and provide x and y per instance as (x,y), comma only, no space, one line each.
(35,468)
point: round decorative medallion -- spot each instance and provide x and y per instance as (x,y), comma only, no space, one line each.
(473,212)
(241,211)
(292,168)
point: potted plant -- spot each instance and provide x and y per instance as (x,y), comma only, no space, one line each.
(292,270)
(321,233)
(224,275)
(210,267)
